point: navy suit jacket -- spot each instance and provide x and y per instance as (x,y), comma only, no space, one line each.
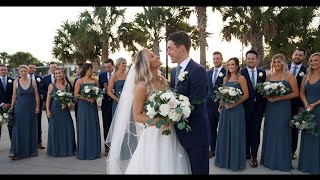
(254,97)
(195,88)
(104,79)
(296,103)
(6,95)
(211,105)
(38,84)
(46,81)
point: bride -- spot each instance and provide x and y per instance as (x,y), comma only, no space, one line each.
(137,148)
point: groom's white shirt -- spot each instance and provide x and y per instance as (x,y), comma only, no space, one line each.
(184,64)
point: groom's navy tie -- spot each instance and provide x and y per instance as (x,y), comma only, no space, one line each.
(177,74)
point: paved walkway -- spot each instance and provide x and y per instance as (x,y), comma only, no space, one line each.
(44,164)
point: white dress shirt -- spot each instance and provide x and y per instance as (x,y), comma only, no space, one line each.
(184,64)
(298,68)
(254,72)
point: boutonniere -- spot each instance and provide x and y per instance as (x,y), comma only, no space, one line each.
(221,74)
(301,74)
(38,79)
(184,75)
(9,81)
(260,74)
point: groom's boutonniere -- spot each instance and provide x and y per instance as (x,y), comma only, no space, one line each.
(38,79)
(184,75)
(301,74)
(9,81)
(260,74)
(221,75)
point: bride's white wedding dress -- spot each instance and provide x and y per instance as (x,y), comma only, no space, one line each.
(159,154)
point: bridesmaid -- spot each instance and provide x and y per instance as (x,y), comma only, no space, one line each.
(61,136)
(117,81)
(276,145)
(309,156)
(88,127)
(25,104)
(231,139)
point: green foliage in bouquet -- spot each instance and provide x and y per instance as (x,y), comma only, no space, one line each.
(268,89)
(305,121)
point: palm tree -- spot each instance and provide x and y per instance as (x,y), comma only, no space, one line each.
(4,57)
(248,24)
(203,34)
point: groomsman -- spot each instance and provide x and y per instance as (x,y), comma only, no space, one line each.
(78,71)
(298,70)
(106,106)
(254,106)
(6,89)
(215,79)
(31,74)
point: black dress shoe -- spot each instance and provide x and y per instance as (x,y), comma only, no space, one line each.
(211,154)
(106,151)
(12,157)
(40,146)
(254,163)
(248,156)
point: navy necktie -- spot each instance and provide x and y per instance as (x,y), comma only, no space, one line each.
(214,77)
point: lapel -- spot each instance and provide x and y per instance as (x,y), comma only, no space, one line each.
(220,79)
(210,74)
(2,84)
(188,68)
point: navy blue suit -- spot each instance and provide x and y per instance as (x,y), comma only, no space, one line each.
(254,108)
(106,106)
(196,142)
(296,103)
(212,107)
(39,115)
(5,97)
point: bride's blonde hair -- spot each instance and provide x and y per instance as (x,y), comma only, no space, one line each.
(142,66)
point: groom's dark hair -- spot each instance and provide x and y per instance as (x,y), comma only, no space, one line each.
(181,38)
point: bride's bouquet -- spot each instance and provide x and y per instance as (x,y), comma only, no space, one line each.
(228,95)
(171,108)
(91,91)
(306,121)
(6,116)
(65,98)
(268,89)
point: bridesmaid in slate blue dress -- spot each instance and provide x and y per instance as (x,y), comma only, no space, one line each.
(117,81)
(61,136)
(88,126)
(276,145)
(309,156)
(231,139)
(26,102)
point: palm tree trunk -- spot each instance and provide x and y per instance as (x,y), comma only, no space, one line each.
(257,45)
(105,52)
(156,47)
(202,25)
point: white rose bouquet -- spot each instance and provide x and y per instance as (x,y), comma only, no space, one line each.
(91,91)
(63,97)
(227,94)
(268,89)
(305,121)
(171,108)
(6,116)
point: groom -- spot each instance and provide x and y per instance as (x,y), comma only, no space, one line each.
(194,86)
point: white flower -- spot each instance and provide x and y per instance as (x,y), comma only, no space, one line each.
(183,98)
(301,74)
(38,79)
(5,115)
(221,74)
(151,98)
(1,118)
(164,109)
(9,81)
(308,109)
(150,111)
(185,104)
(186,111)
(86,90)
(232,93)
(183,75)
(61,93)
(172,103)
(260,74)
(174,116)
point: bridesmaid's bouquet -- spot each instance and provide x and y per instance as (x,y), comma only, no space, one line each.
(227,94)
(306,121)
(65,98)
(268,89)
(6,116)
(171,108)
(91,91)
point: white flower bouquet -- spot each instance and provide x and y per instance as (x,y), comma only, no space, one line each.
(6,116)
(63,97)
(91,91)
(227,94)
(306,121)
(268,89)
(171,108)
